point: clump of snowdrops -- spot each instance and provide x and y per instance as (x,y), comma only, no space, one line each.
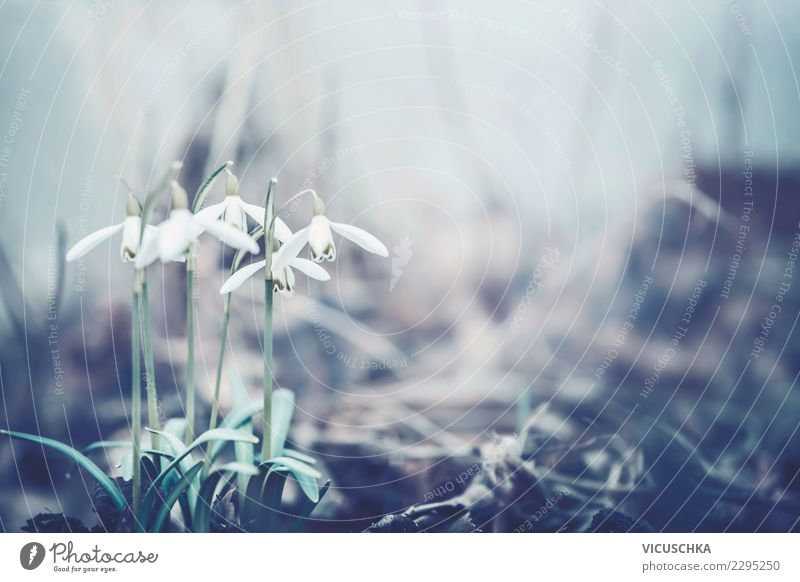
(179,466)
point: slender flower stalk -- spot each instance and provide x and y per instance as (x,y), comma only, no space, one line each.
(319,235)
(190,379)
(149,364)
(269,207)
(223,344)
(136,393)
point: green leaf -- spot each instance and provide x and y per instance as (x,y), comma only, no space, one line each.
(305,475)
(299,456)
(173,439)
(282,412)
(239,416)
(104,480)
(126,466)
(240,468)
(176,427)
(152,196)
(296,466)
(244,453)
(173,446)
(205,498)
(106,445)
(205,501)
(208,436)
(205,187)
(260,503)
(180,487)
(306,507)
(157,453)
(250,511)
(271,496)
(308,485)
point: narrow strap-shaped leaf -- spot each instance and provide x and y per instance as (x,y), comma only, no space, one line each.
(271,496)
(249,510)
(235,420)
(205,187)
(297,466)
(152,196)
(205,498)
(180,488)
(299,456)
(102,445)
(282,412)
(173,439)
(241,415)
(244,453)
(205,501)
(186,509)
(106,445)
(308,484)
(306,507)
(104,480)
(208,436)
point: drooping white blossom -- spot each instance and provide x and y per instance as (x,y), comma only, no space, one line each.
(174,237)
(234,211)
(130,228)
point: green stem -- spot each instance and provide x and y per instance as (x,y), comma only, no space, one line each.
(136,394)
(286,204)
(190,380)
(149,366)
(212,423)
(269,208)
(266,444)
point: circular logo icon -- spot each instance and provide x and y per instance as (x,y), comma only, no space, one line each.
(31,555)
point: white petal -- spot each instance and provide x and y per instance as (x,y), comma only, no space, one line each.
(148,250)
(239,277)
(253,211)
(320,239)
(234,214)
(310,268)
(361,237)
(283,281)
(228,234)
(212,212)
(130,238)
(290,281)
(291,247)
(282,232)
(176,234)
(87,243)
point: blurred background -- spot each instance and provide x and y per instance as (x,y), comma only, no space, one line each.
(592,217)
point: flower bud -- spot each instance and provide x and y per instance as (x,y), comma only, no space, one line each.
(180,200)
(231,185)
(133,208)
(319,205)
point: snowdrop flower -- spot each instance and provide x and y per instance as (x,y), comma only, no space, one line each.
(130,227)
(283,260)
(320,238)
(173,238)
(235,211)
